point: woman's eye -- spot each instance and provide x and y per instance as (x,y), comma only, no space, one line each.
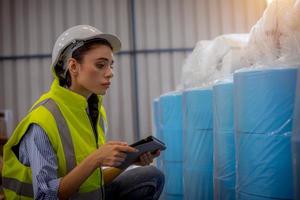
(104,65)
(101,65)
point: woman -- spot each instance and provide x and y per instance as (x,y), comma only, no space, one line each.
(58,149)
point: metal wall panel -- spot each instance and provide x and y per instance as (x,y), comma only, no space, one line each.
(30,27)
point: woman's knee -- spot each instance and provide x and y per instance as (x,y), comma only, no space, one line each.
(149,184)
(155,173)
(147,174)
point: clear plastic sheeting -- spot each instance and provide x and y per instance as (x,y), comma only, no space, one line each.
(198,144)
(296,141)
(224,148)
(191,68)
(205,64)
(212,61)
(275,38)
(263,112)
(232,61)
(170,106)
(290,41)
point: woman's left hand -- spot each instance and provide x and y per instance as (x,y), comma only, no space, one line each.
(147,158)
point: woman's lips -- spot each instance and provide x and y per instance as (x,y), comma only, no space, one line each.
(105,85)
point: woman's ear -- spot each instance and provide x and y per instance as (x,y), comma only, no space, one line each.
(73,66)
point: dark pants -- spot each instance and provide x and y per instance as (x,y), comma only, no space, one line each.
(139,183)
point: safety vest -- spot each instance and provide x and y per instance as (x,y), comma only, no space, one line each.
(63,116)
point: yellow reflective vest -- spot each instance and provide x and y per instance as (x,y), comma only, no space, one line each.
(63,116)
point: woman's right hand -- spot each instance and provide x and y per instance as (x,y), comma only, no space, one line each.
(112,154)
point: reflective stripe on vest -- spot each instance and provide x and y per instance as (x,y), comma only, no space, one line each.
(65,134)
(21,188)
(68,147)
(64,131)
(26,189)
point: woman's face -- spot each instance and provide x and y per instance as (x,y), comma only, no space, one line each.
(94,73)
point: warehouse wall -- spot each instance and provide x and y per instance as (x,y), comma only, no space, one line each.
(156,36)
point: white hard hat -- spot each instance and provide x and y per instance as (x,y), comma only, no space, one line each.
(75,37)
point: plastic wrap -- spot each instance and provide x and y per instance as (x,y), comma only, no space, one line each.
(198,144)
(290,40)
(157,129)
(264,100)
(296,141)
(263,110)
(232,61)
(155,118)
(170,106)
(191,69)
(275,38)
(213,67)
(224,148)
(205,64)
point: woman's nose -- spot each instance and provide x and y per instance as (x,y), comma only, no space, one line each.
(109,73)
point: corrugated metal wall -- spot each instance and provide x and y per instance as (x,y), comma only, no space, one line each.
(156,35)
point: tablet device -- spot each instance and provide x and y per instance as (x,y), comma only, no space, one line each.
(149,144)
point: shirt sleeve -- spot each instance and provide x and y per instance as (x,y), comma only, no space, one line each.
(36,151)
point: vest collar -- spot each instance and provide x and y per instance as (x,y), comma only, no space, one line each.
(71,98)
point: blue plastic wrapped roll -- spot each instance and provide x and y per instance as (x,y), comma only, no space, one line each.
(264,102)
(172,197)
(156,129)
(251,197)
(173,178)
(155,118)
(224,148)
(296,141)
(170,106)
(198,109)
(265,165)
(198,144)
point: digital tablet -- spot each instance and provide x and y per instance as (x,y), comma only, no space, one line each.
(149,144)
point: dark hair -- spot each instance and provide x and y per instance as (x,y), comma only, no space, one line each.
(78,55)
